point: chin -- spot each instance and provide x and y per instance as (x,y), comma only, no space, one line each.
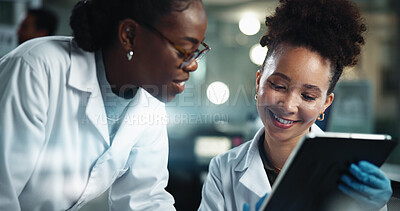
(279,134)
(166,99)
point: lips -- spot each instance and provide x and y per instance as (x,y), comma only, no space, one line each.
(179,85)
(281,122)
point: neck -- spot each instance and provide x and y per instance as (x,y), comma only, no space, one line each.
(278,151)
(115,64)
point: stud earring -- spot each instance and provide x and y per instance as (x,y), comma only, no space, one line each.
(127,29)
(321,117)
(129,55)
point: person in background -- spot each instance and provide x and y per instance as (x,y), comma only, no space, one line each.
(309,43)
(38,22)
(85,114)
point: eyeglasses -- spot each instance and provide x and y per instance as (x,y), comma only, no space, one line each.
(188,57)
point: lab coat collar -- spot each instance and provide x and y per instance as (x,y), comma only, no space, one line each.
(254,170)
(144,110)
(82,76)
(253,149)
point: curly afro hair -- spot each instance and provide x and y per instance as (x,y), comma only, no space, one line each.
(332,28)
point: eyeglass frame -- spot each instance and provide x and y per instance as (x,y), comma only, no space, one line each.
(197,54)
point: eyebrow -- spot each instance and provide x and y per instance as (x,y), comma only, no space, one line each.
(192,40)
(283,76)
(307,86)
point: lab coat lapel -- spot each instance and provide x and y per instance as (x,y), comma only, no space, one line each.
(254,176)
(109,165)
(130,128)
(144,110)
(83,77)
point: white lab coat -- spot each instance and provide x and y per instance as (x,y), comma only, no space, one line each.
(237,177)
(55,152)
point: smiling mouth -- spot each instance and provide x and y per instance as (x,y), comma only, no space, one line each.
(180,86)
(180,83)
(280,120)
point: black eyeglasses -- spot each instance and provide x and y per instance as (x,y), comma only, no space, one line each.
(188,57)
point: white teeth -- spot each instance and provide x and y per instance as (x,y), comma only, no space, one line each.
(283,121)
(182,83)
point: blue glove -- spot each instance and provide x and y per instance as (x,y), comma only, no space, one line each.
(246,206)
(369,186)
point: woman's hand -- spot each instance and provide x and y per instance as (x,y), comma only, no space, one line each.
(368,185)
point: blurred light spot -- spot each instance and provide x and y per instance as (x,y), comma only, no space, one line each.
(257,54)
(249,24)
(218,92)
(210,146)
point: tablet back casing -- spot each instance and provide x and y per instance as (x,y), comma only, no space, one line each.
(311,175)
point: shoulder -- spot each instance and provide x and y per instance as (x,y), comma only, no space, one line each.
(239,157)
(50,52)
(235,154)
(315,129)
(43,46)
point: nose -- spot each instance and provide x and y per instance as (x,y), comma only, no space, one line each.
(191,67)
(291,103)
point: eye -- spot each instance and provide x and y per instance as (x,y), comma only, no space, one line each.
(276,86)
(190,55)
(180,54)
(308,97)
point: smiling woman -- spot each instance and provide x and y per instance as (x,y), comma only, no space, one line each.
(292,89)
(85,114)
(309,43)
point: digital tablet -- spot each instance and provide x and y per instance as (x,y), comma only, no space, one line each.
(310,176)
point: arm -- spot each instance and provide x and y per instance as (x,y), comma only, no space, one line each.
(24,101)
(212,194)
(142,186)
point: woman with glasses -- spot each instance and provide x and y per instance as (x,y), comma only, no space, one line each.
(309,43)
(85,114)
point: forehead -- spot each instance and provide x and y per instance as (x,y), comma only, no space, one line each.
(301,65)
(189,22)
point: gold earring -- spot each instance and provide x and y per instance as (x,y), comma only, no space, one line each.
(129,55)
(321,117)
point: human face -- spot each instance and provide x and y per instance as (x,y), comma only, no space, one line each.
(292,92)
(187,56)
(164,77)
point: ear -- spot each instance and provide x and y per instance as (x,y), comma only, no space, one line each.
(127,32)
(258,77)
(328,102)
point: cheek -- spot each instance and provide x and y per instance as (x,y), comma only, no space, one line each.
(267,96)
(310,111)
(156,67)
